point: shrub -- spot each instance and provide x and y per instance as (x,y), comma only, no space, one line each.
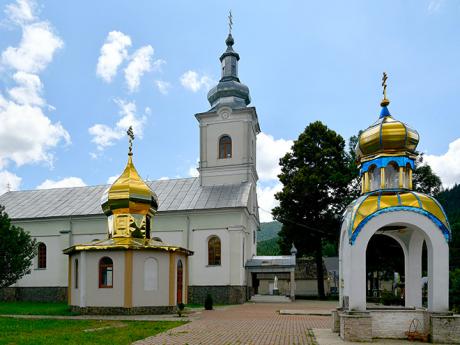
(208,302)
(389,298)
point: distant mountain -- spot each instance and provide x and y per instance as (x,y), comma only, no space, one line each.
(268,231)
(450,200)
(267,239)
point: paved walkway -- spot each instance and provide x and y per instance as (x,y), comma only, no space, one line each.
(249,324)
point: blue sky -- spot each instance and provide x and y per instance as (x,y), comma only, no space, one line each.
(73,75)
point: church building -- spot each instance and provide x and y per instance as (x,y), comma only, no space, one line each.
(214,215)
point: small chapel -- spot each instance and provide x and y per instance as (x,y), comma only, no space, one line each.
(388,205)
(120,274)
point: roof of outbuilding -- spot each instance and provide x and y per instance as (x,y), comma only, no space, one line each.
(174,195)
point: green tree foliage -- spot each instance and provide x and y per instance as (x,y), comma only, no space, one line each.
(269,247)
(424,180)
(454,290)
(315,175)
(450,200)
(17,250)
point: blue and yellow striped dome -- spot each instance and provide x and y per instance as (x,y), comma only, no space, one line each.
(367,206)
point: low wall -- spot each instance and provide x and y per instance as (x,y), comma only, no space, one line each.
(123,311)
(395,323)
(228,294)
(34,294)
(445,329)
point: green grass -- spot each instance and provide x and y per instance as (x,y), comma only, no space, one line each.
(34,308)
(72,332)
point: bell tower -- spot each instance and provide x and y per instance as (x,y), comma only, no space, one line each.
(229,129)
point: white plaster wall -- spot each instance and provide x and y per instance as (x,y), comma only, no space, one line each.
(354,265)
(105,297)
(395,323)
(75,292)
(55,273)
(159,297)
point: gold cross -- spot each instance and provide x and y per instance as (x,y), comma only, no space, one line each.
(131,138)
(230,22)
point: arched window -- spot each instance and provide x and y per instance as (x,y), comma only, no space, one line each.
(41,255)
(150,274)
(106,273)
(214,251)
(391,176)
(225,147)
(76,273)
(374,178)
(407,176)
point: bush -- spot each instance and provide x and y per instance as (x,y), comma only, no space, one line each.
(389,298)
(208,302)
(180,309)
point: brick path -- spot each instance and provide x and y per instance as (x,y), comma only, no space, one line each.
(249,324)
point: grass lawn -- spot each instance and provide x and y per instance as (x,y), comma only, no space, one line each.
(78,332)
(34,308)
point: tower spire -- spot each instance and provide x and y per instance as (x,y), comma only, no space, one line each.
(385,101)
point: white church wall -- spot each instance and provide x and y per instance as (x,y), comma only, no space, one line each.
(158,296)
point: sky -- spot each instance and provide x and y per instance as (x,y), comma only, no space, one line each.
(74,76)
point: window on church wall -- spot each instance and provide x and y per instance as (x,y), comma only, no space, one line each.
(106,273)
(76,274)
(391,176)
(214,251)
(374,178)
(41,259)
(225,147)
(150,274)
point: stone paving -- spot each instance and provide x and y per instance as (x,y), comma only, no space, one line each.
(249,324)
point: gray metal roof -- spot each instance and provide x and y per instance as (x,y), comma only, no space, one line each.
(173,195)
(279,260)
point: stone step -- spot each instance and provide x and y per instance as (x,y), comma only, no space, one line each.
(270,299)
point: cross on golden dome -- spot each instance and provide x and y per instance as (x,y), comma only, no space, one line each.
(385,101)
(230,22)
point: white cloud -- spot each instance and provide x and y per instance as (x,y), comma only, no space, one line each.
(163,86)
(36,49)
(141,62)
(27,135)
(192,81)
(113,53)
(266,200)
(269,152)
(21,12)
(447,165)
(164,178)
(112,179)
(9,181)
(63,183)
(104,135)
(28,90)
(434,5)
(157,65)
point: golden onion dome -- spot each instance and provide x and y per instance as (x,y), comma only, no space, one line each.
(129,194)
(374,203)
(386,137)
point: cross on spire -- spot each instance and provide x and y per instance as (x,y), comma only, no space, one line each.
(131,138)
(230,22)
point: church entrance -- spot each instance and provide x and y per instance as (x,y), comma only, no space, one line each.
(179,281)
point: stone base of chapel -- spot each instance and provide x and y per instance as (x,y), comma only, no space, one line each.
(123,311)
(395,323)
(226,294)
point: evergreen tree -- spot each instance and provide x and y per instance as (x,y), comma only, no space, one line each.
(315,177)
(17,250)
